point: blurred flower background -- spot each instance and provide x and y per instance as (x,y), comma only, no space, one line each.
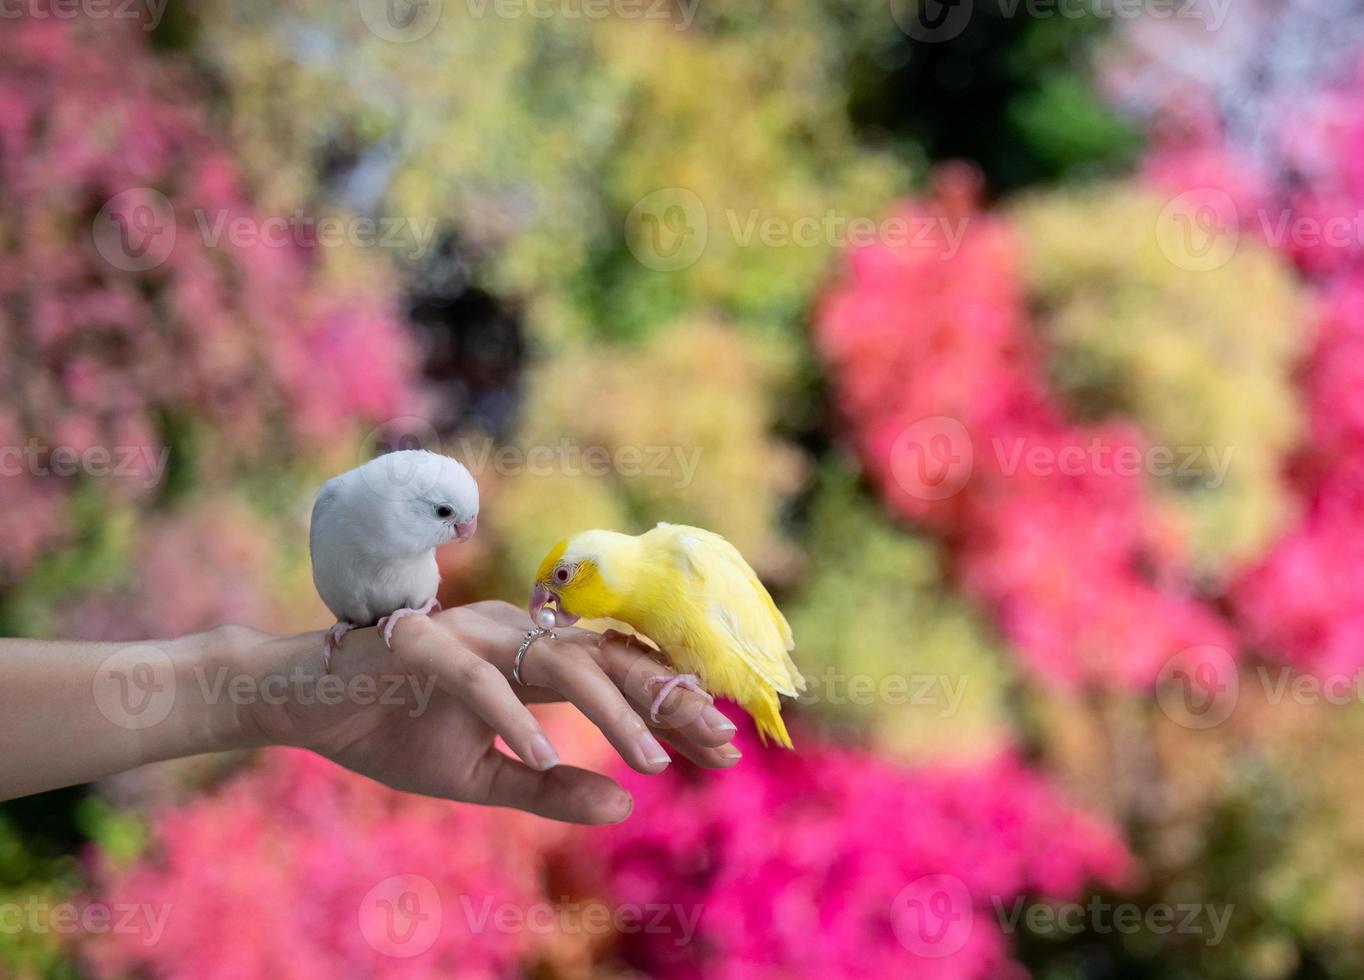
(1019,346)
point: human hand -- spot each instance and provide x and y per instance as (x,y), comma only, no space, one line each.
(433,705)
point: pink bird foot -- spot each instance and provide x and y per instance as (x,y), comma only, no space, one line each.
(668,682)
(391,620)
(333,643)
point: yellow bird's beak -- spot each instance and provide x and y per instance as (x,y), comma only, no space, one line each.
(542,615)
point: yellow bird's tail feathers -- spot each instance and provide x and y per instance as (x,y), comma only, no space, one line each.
(766,712)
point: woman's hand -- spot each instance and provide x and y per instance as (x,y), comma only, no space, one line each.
(422,717)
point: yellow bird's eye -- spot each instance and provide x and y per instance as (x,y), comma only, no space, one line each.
(561,575)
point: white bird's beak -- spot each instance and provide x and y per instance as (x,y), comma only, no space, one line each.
(464,530)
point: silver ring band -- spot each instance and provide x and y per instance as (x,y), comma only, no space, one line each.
(532,634)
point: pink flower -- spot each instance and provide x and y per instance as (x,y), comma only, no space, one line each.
(247,345)
(831,863)
(299,869)
(936,377)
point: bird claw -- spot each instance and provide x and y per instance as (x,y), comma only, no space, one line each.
(387,624)
(333,643)
(608,635)
(668,683)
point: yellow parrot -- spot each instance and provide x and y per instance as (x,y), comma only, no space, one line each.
(691,592)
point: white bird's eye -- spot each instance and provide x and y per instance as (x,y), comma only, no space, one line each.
(561,574)
(443,511)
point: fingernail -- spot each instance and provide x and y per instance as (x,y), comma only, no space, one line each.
(654,753)
(729,753)
(622,807)
(542,754)
(716,721)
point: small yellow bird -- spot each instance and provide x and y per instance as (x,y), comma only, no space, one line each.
(692,593)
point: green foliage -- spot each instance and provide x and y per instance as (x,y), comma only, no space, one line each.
(533,139)
(1072,132)
(888,649)
(1011,93)
(676,429)
(34,877)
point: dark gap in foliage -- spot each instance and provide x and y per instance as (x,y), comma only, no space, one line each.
(1010,92)
(474,345)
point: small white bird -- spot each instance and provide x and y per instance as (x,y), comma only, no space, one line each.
(375,531)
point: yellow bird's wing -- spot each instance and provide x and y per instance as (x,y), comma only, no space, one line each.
(735,604)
